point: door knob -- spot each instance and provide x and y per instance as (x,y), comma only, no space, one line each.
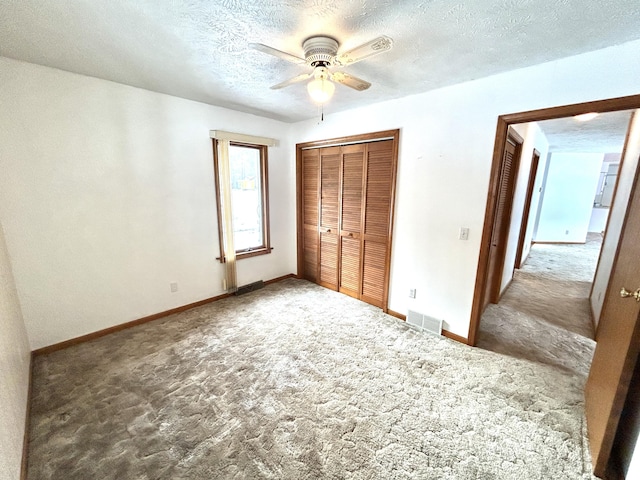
(624,293)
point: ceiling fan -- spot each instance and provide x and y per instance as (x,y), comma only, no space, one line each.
(321,54)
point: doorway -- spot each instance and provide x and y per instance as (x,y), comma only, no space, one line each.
(502,130)
(608,416)
(543,313)
(531,183)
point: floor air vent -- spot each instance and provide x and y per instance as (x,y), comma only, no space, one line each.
(250,287)
(424,322)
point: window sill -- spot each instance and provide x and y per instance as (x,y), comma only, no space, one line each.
(249,253)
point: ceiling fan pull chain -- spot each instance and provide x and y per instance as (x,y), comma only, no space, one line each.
(321,108)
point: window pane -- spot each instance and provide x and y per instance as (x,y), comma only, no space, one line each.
(246,197)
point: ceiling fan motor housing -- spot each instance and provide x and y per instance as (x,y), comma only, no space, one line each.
(320,51)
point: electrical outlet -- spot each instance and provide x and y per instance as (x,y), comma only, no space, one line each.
(464,233)
(174,287)
(412,293)
(566,232)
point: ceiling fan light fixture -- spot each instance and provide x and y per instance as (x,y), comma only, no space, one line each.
(321,88)
(321,53)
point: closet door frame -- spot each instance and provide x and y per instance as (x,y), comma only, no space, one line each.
(364,138)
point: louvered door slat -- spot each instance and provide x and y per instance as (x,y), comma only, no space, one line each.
(310,164)
(329,259)
(373,275)
(502,220)
(378,201)
(351,219)
(329,189)
(350,266)
(310,174)
(503,192)
(379,188)
(352,191)
(310,240)
(329,215)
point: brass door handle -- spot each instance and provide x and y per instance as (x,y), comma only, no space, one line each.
(624,293)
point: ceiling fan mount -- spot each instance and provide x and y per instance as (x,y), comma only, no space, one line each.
(320,50)
(321,54)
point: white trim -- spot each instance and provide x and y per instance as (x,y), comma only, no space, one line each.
(242,138)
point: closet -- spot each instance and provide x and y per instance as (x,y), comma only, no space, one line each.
(345,212)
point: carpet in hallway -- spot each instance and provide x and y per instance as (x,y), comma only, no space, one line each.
(545,315)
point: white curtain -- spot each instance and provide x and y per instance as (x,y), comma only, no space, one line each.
(228,248)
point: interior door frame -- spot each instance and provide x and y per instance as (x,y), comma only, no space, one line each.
(503,123)
(524,223)
(348,140)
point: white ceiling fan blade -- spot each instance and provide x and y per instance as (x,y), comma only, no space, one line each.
(374,47)
(291,81)
(277,53)
(350,81)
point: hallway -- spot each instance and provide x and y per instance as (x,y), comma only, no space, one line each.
(544,315)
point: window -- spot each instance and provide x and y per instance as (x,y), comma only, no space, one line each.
(249,199)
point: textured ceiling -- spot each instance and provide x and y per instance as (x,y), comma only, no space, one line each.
(197,49)
(604,134)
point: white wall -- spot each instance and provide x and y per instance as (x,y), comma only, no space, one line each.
(634,466)
(107,196)
(533,139)
(598,220)
(107,191)
(14,371)
(618,210)
(599,215)
(542,146)
(446,145)
(567,199)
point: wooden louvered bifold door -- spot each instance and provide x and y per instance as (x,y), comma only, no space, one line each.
(378,196)
(329,216)
(347,202)
(504,202)
(351,219)
(311,200)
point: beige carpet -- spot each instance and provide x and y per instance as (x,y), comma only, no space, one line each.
(545,315)
(298,382)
